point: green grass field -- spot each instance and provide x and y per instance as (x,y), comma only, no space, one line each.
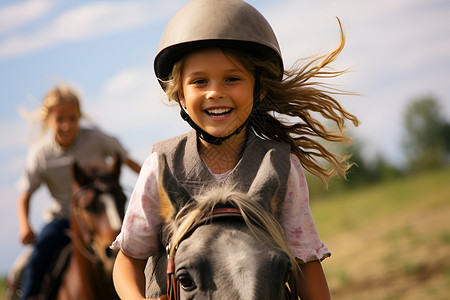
(2,287)
(389,241)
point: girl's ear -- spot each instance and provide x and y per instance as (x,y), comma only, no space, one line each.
(181,98)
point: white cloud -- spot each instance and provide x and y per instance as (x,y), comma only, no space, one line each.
(85,22)
(127,96)
(17,15)
(132,106)
(397,49)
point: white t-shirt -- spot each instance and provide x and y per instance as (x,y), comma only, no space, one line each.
(142,224)
(47,162)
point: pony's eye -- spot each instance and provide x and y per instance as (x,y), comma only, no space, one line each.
(186,282)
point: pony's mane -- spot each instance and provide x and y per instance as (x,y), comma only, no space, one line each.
(260,222)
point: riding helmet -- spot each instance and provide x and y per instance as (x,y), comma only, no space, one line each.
(215,23)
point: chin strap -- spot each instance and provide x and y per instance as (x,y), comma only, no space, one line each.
(219,140)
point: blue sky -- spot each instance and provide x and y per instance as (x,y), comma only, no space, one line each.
(398,51)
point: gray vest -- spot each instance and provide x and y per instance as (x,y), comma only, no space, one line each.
(192,173)
(188,167)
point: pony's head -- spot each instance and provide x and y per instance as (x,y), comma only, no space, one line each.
(227,255)
(98,208)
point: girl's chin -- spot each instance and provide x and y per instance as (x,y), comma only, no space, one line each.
(223,133)
(65,142)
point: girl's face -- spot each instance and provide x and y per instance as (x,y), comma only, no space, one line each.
(216,90)
(63,121)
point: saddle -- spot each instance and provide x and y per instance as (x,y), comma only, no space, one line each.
(52,277)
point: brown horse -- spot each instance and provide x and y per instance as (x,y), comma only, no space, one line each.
(84,268)
(98,207)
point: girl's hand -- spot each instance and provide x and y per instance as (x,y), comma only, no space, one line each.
(27,235)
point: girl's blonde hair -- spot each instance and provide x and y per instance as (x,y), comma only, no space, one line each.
(55,96)
(285,114)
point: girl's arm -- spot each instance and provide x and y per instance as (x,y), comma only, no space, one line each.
(128,277)
(25,231)
(133,165)
(312,284)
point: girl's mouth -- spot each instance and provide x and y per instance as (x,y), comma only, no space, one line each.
(218,112)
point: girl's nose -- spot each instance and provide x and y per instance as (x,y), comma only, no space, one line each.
(66,125)
(215,91)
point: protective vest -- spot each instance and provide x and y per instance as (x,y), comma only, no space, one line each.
(188,167)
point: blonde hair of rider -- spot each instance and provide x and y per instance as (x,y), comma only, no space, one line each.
(287,112)
(59,94)
(55,96)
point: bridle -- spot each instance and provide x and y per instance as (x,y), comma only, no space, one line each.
(86,243)
(173,286)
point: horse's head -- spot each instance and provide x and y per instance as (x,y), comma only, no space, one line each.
(98,208)
(224,244)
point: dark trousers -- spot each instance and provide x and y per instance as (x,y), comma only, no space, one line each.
(49,242)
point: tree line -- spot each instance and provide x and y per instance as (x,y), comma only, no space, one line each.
(426,146)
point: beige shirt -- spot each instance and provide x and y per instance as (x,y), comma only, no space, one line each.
(47,162)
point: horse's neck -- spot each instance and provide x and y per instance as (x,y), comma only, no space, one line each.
(92,277)
(70,287)
(94,282)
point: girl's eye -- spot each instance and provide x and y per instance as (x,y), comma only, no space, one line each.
(233,79)
(199,81)
(186,282)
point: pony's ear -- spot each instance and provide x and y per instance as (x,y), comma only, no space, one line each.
(172,196)
(80,178)
(266,183)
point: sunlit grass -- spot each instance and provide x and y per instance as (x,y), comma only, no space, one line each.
(355,208)
(392,239)
(2,287)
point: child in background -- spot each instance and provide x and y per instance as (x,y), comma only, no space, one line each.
(49,162)
(220,60)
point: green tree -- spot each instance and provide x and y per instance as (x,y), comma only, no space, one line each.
(427,139)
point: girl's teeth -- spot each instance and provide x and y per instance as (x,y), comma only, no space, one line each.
(218,111)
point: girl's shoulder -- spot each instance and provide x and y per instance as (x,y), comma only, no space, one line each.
(257,143)
(95,135)
(90,131)
(43,145)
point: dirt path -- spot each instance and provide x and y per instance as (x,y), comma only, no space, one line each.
(403,258)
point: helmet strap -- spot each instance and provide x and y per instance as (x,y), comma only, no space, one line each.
(219,140)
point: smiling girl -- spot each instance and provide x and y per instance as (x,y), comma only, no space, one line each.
(220,61)
(49,162)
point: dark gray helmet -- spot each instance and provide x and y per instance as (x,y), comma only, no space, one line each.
(210,23)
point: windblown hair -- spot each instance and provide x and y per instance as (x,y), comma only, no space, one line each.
(285,114)
(258,219)
(55,96)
